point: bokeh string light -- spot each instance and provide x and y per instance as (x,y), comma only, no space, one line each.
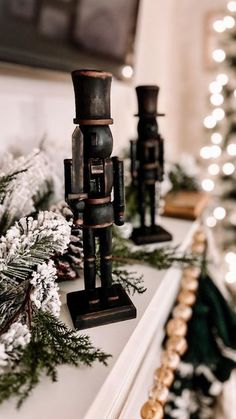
(231,6)
(218,55)
(216,138)
(222,149)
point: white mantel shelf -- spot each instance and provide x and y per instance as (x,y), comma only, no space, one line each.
(116,391)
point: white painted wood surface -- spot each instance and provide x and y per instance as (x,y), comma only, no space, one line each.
(116,391)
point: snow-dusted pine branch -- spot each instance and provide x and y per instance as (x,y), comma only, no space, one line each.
(23,183)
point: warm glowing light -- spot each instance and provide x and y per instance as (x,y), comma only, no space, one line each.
(222,79)
(230,277)
(228,22)
(230,257)
(127,71)
(231,149)
(231,6)
(215,151)
(228,169)
(214,169)
(217,99)
(208,185)
(205,152)
(215,87)
(218,114)
(211,221)
(218,55)
(232,267)
(219,26)
(219,213)
(216,138)
(209,122)
(235,93)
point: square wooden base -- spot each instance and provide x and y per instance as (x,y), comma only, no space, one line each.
(150,235)
(113,305)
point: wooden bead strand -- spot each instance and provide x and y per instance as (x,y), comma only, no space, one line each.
(176,331)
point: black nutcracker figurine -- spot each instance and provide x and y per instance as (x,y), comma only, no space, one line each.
(147,166)
(90,177)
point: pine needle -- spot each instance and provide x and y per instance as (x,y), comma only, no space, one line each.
(52,344)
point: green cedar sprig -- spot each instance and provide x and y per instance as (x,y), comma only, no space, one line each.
(160,258)
(180,180)
(52,344)
(130,281)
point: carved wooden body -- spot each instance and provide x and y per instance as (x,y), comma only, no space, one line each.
(90,178)
(147,166)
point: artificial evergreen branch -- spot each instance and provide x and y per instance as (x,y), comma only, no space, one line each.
(180,180)
(32,339)
(24,184)
(52,344)
(27,245)
(161,258)
(130,281)
(30,242)
(42,199)
(11,303)
(15,311)
(5,181)
(131,202)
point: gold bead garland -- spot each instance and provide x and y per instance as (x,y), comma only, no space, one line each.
(186,297)
(176,330)
(189,283)
(176,327)
(159,393)
(170,359)
(192,271)
(182,311)
(198,248)
(164,375)
(178,344)
(152,410)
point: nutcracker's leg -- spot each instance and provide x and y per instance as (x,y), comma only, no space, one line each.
(152,194)
(105,236)
(141,203)
(89,259)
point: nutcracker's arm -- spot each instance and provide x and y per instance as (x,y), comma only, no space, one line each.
(74,200)
(133,155)
(119,191)
(160,158)
(74,177)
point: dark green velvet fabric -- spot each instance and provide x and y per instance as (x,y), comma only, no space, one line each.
(194,393)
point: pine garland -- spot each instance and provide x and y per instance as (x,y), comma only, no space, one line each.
(32,339)
(52,344)
(160,258)
(130,281)
(181,180)
(24,184)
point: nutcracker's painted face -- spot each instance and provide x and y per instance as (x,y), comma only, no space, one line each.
(98,141)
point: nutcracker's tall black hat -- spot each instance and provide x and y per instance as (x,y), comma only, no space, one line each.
(92,97)
(147,101)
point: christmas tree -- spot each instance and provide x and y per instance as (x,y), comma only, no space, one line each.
(220,155)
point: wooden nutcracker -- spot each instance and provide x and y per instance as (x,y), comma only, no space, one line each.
(147,166)
(90,177)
